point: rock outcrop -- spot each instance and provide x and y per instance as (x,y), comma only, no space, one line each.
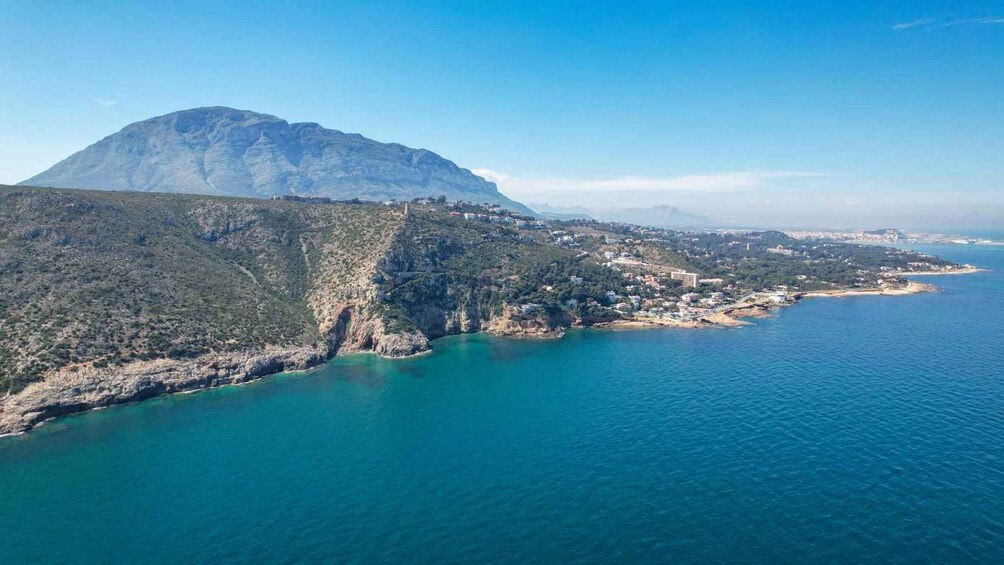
(79,388)
(511,323)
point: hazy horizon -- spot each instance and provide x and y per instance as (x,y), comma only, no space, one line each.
(849,115)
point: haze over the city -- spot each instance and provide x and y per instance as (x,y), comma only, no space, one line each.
(849,114)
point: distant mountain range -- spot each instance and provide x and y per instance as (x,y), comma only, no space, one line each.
(655,216)
(228,152)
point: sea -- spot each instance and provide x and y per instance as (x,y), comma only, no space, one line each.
(863,429)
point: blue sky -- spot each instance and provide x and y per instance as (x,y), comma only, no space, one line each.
(773,113)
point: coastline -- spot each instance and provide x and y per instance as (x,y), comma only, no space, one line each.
(912,287)
(966,271)
(85,389)
(645,323)
(81,389)
(734,317)
(71,391)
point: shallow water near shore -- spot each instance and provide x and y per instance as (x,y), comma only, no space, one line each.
(862,429)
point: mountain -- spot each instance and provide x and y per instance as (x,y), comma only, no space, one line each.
(227,152)
(553,213)
(655,216)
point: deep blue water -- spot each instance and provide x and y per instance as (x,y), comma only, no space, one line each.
(862,429)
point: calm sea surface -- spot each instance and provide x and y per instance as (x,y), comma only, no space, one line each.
(863,429)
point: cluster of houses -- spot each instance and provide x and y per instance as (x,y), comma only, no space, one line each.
(781,250)
(308,199)
(689,305)
(650,281)
(498,216)
(645,293)
(566,239)
(927,266)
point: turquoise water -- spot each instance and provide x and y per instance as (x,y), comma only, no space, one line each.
(859,429)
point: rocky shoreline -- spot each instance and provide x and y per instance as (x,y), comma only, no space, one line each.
(69,391)
(82,388)
(967,270)
(912,287)
(735,317)
(85,388)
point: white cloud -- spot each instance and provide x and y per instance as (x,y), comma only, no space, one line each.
(976,21)
(710,182)
(915,23)
(108,102)
(492,176)
(934,23)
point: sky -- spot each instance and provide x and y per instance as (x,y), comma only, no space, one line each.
(796,114)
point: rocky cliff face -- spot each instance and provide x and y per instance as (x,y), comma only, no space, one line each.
(227,152)
(85,387)
(110,297)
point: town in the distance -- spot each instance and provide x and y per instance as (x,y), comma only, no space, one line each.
(893,236)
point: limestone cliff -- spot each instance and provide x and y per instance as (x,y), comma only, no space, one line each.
(110,297)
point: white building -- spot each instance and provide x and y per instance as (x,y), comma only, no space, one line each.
(689,279)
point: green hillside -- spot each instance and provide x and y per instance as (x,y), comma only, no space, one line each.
(107,278)
(108,297)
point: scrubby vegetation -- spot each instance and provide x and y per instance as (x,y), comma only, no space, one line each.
(106,278)
(109,277)
(758,260)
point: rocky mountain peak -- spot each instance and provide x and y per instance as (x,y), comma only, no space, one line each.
(224,151)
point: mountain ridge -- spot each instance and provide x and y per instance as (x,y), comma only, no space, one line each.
(221,151)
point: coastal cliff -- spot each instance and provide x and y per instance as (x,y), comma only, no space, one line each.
(75,389)
(112,297)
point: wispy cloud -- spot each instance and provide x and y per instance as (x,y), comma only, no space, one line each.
(710,182)
(107,102)
(974,21)
(936,23)
(915,23)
